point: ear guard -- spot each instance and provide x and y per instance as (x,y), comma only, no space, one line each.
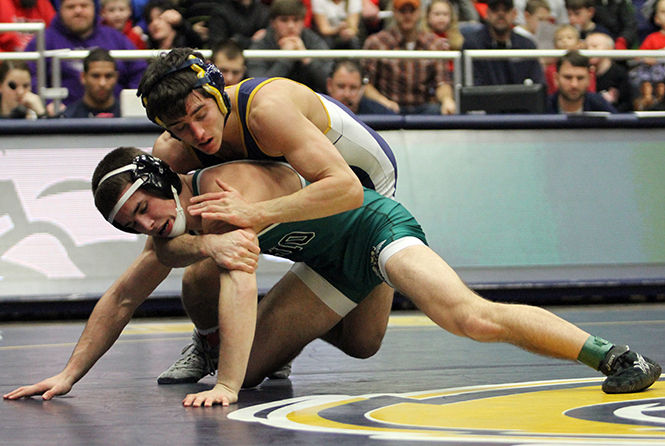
(150,173)
(209,78)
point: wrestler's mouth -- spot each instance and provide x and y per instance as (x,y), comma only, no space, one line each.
(165,229)
(207,145)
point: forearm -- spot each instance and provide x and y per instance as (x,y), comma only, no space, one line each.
(237,321)
(372,93)
(113,311)
(180,251)
(322,198)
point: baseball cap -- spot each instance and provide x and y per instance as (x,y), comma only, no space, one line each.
(399,4)
(493,4)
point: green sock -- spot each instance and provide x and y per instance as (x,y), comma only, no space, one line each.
(594,351)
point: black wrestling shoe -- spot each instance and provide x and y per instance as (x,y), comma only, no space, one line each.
(627,371)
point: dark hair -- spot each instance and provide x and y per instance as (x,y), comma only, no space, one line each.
(9,65)
(98,55)
(350,65)
(229,47)
(287,7)
(107,195)
(574,58)
(579,4)
(164,88)
(164,5)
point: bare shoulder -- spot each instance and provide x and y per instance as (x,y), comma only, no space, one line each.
(178,156)
(282,106)
(235,174)
(255,181)
(284,93)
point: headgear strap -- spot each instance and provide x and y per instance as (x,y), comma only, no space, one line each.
(209,78)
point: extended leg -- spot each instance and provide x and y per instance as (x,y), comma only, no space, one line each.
(437,290)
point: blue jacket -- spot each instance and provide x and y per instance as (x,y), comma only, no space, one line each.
(57,36)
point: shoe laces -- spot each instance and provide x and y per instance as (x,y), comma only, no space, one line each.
(197,352)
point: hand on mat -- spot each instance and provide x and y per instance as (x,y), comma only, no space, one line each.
(235,250)
(50,387)
(220,394)
(227,206)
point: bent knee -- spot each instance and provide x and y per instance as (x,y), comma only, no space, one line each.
(199,279)
(363,349)
(252,381)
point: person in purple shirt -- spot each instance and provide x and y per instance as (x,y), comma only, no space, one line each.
(76,27)
(572,97)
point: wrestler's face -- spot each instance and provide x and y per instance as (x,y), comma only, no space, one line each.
(202,126)
(147,214)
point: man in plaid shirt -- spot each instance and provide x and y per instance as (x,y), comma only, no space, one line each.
(417,86)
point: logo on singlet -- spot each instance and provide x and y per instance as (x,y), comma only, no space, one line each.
(292,243)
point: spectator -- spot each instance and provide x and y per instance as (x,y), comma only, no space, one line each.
(465,11)
(166,27)
(17,101)
(347,85)
(572,96)
(23,11)
(566,37)
(9,41)
(618,17)
(227,56)
(536,13)
(644,11)
(645,99)
(75,27)
(558,13)
(287,32)
(498,33)
(441,19)
(419,86)
(371,19)
(337,21)
(117,14)
(656,40)
(244,21)
(580,15)
(650,70)
(612,80)
(99,77)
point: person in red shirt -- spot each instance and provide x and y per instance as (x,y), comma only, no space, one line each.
(23,11)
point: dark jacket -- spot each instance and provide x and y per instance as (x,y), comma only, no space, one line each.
(503,71)
(314,74)
(592,102)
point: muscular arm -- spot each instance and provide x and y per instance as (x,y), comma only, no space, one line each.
(236,249)
(175,153)
(281,124)
(237,320)
(110,315)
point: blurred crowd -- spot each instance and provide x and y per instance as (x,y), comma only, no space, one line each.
(573,83)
